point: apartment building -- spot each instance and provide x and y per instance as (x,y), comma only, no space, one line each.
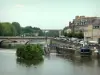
(80,22)
(92,31)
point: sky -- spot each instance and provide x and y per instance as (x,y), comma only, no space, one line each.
(47,14)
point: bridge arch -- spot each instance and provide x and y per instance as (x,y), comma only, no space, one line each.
(6,40)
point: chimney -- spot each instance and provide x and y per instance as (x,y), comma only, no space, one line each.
(69,23)
(77,17)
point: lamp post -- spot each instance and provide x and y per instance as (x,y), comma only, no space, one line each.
(46,44)
(92,33)
(84,37)
(46,35)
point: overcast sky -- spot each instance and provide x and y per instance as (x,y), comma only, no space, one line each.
(46,14)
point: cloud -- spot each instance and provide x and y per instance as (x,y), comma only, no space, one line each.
(19,5)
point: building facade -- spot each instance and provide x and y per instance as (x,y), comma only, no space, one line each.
(92,31)
(80,22)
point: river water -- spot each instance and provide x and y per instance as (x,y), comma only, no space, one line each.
(52,65)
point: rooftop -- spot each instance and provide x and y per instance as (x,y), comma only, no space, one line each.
(96,21)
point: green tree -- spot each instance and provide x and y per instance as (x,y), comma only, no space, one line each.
(1,29)
(38,30)
(75,35)
(29,52)
(32,30)
(80,35)
(53,33)
(64,30)
(28,29)
(70,35)
(7,29)
(17,27)
(41,33)
(65,34)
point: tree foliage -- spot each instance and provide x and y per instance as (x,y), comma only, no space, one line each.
(1,29)
(32,30)
(17,27)
(14,29)
(6,29)
(79,35)
(30,52)
(63,31)
(52,33)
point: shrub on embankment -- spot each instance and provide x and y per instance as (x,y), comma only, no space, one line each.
(30,52)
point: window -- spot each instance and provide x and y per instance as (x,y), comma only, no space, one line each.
(96,27)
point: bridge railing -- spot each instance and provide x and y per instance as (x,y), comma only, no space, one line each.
(27,37)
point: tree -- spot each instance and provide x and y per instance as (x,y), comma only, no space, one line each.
(7,29)
(53,33)
(28,29)
(41,33)
(38,30)
(1,29)
(70,35)
(17,27)
(64,31)
(65,34)
(30,52)
(76,35)
(32,30)
(14,31)
(14,28)
(80,35)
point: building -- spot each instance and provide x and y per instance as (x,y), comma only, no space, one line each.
(80,22)
(92,31)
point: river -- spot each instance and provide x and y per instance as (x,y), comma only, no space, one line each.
(52,65)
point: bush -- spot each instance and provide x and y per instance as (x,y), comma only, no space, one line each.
(79,35)
(30,52)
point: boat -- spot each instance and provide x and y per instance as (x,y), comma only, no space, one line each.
(85,51)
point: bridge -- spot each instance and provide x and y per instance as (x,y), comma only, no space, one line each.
(19,37)
(17,40)
(23,40)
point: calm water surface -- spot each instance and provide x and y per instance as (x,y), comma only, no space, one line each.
(52,65)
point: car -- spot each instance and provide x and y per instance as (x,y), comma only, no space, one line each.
(83,42)
(73,39)
(64,39)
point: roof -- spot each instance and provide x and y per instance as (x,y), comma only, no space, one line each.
(96,22)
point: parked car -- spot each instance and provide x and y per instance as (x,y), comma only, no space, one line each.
(73,39)
(83,43)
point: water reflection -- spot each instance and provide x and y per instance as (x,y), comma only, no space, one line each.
(86,61)
(98,62)
(28,63)
(82,61)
